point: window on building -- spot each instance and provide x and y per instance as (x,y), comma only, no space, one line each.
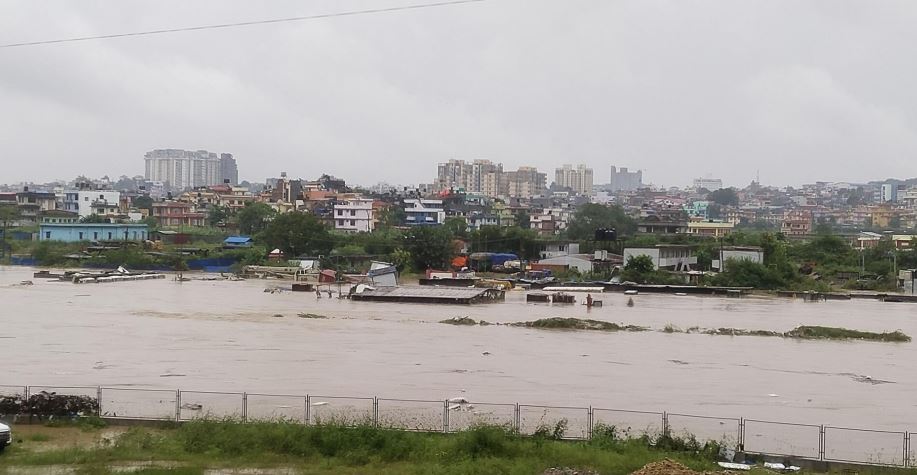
(340,222)
(353,212)
(81,236)
(353,222)
(340,212)
(109,236)
(95,235)
(47,234)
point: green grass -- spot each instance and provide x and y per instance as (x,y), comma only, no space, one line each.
(335,449)
(578,324)
(835,333)
(38,437)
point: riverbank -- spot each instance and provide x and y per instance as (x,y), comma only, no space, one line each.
(281,448)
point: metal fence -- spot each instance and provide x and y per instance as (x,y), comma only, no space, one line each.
(778,439)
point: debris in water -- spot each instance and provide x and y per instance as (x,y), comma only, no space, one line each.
(311,315)
(486,353)
(192,406)
(169,374)
(679,362)
(277,315)
(773,395)
(458,400)
(630,302)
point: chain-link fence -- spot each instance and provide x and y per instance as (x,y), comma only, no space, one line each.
(782,439)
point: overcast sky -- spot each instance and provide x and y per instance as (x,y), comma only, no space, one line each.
(798,90)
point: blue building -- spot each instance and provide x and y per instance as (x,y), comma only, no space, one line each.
(93,232)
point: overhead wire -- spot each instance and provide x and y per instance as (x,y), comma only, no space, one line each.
(246,23)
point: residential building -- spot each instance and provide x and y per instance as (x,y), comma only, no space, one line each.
(739,253)
(424,212)
(710,228)
(666,256)
(559,248)
(625,180)
(797,223)
(32,203)
(662,224)
(177,214)
(578,179)
(229,170)
(183,169)
(59,216)
(93,232)
(86,201)
(889,193)
(354,215)
(709,184)
(581,262)
(524,183)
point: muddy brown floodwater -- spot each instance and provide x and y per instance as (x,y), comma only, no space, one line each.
(225,336)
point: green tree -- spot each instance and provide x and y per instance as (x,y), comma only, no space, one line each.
(430,247)
(638,269)
(94,218)
(523,220)
(143,202)
(392,216)
(298,234)
(457,226)
(217,215)
(254,218)
(592,216)
(724,196)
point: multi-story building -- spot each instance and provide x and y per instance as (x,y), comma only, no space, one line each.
(889,193)
(525,183)
(797,223)
(421,212)
(229,170)
(177,214)
(709,184)
(489,179)
(708,228)
(578,179)
(86,202)
(182,169)
(354,215)
(625,180)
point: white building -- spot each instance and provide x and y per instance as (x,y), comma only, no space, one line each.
(747,253)
(424,212)
(83,202)
(578,179)
(182,169)
(709,184)
(354,215)
(665,256)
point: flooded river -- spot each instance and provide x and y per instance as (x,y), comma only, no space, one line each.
(224,336)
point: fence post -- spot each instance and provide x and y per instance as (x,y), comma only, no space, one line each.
(308,413)
(589,423)
(821,442)
(517,419)
(741,440)
(375,411)
(665,424)
(446,416)
(244,407)
(177,405)
(99,400)
(907,443)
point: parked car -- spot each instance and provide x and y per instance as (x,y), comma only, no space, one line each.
(6,436)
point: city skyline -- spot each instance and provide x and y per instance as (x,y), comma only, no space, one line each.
(658,87)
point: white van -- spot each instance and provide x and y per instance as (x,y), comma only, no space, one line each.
(6,436)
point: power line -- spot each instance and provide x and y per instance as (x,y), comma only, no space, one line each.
(246,23)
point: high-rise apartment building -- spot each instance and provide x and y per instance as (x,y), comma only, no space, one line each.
(578,179)
(625,180)
(709,184)
(229,171)
(489,179)
(524,183)
(181,169)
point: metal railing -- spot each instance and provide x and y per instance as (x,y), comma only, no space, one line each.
(771,438)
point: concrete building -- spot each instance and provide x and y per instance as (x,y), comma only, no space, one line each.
(229,170)
(889,193)
(797,223)
(424,212)
(354,215)
(525,183)
(182,169)
(625,180)
(709,184)
(665,256)
(93,232)
(578,179)
(708,228)
(745,253)
(177,214)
